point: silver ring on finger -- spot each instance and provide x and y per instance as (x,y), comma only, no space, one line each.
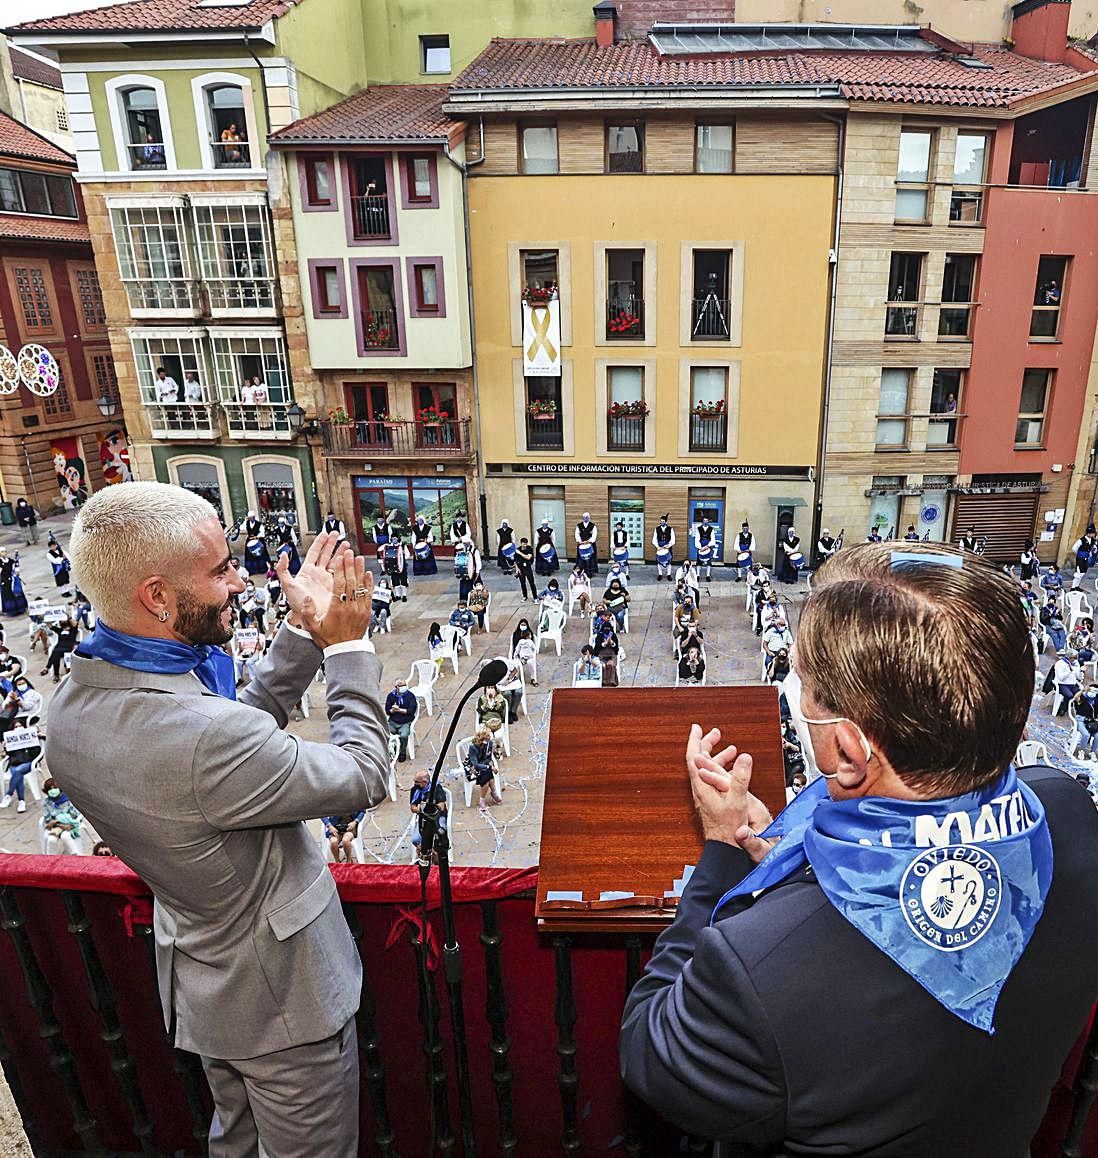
(343,597)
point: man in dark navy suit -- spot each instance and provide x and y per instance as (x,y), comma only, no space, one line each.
(902,973)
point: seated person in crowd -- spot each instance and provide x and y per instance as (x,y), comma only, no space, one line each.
(478,602)
(1086,722)
(492,710)
(606,647)
(589,666)
(480,769)
(616,599)
(20,759)
(381,603)
(579,590)
(692,666)
(511,687)
(1081,640)
(102,848)
(687,574)
(524,648)
(1053,623)
(401,707)
(777,637)
(691,634)
(617,571)
(340,832)
(60,821)
(435,644)
(10,665)
(248,646)
(777,666)
(417,798)
(1067,675)
(552,596)
(792,754)
(462,618)
(686,613)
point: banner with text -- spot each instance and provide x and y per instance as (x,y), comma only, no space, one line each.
(541,339)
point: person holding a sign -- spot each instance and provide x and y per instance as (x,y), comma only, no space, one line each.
(22,746)
(248,646)
(67,631)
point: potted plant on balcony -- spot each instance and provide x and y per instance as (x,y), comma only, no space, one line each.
(709,409)
(432,416)
(391,420)
(637,409)
(338,416)
(542,409)
(539,295)
(623,325)
(377,331)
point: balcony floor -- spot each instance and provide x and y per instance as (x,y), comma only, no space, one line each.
(509,836)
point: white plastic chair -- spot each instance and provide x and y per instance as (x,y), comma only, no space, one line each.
(508,687)
(555,619)
(449,649)
(578,683)
(487,613)
(421,682)
(394,754)
(31,780)
(56,846)
(574,594)
(1078,608)
(412,738)
(1031,752)
(469,785)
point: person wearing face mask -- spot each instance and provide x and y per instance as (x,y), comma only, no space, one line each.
(663,540)
(777,666)
(918,864)
(1067,675)
(1086,722)
(22,746)
(60,822)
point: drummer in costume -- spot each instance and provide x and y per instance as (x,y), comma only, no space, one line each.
(912,536)
(459,529)
(545,550)
(791,557)
(394,563)
(467,565)
(423,552)
(285,538)
(379,532)
(505,547)
(1084,554)
(970,541)
(663,539)
(619,546)
(257,558)
(705,545)
(1028,560)
(12,599)
(252,527)
(334,526)
(874,536)
(745,551)
(59,561)
(587,551)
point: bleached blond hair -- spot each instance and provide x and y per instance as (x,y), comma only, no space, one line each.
(127,532)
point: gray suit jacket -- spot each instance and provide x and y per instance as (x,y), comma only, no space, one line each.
(205,798)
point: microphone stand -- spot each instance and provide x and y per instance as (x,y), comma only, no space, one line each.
(434,837)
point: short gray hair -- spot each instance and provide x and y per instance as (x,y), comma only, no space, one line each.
(127,532)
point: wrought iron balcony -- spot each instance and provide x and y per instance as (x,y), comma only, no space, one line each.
(261,420)
(625,320)
(398,439)
(150,155)
(625,433)
(370,216)
(91,1067)
(709,318)
(231,154)
(709,432)
(181,420)
(545,431)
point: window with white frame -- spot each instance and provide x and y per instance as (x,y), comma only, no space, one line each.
(151,243)
(144,131)
(226,122)
(181,356)
(235,257)
(892,409)
(251,367)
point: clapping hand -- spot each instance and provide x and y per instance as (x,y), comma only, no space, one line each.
(332,591)
(720,783)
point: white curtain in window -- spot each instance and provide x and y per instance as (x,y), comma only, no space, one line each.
(626,383)
(707,384)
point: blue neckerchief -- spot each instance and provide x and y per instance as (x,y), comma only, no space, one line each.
(925,880)
(213,666)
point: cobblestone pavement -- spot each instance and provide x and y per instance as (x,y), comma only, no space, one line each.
(509,834)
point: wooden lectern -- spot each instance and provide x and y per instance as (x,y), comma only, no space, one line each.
(619,815)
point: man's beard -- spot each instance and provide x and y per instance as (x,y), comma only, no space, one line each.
(199,622)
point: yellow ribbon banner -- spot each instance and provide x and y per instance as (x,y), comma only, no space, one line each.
(540,320)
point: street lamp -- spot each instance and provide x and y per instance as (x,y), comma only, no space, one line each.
(296,416)
(107,405)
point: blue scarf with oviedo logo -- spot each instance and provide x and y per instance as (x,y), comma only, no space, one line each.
(211,665)
(950,889)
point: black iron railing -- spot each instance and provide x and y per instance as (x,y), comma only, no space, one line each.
(625,433)
(625,320)
(545,431)
(709,432)
(709,318)
(397,438)
(370,215)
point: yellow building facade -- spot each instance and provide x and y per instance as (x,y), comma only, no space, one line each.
(658,241)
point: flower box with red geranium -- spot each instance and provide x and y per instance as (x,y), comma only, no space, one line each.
(539,295)
(709,409)
(623,325)
(542,409)
(339,416)
(637,409)
(432,416)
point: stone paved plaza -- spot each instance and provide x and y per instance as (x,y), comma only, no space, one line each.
(507,835)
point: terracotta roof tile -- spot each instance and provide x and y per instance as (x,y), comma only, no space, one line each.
(873,76)
(19,228)
(161,16)
(396,112)
(16,140)
(32,68)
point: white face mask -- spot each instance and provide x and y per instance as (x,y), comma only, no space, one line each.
(793,687)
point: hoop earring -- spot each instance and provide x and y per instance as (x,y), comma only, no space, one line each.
(163,617)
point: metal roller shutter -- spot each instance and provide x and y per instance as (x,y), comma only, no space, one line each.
(1006,520)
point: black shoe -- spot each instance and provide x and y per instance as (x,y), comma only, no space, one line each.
(513,718)
(404,599)
(402,758)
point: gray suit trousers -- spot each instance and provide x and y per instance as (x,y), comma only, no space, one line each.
(300,1102)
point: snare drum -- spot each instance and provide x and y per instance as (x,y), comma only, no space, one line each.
(546,549)
(797,560)
(508,550)
(586,550)
(743,559)
(422,550)
(621,555)
(705,552)
(663,556)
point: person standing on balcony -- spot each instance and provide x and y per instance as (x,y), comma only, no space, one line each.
(207,797)
(505,547)
(167,388)
(587,551)
(192,388)
(663,539)
(423,552)
(547,561)
(945,914)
